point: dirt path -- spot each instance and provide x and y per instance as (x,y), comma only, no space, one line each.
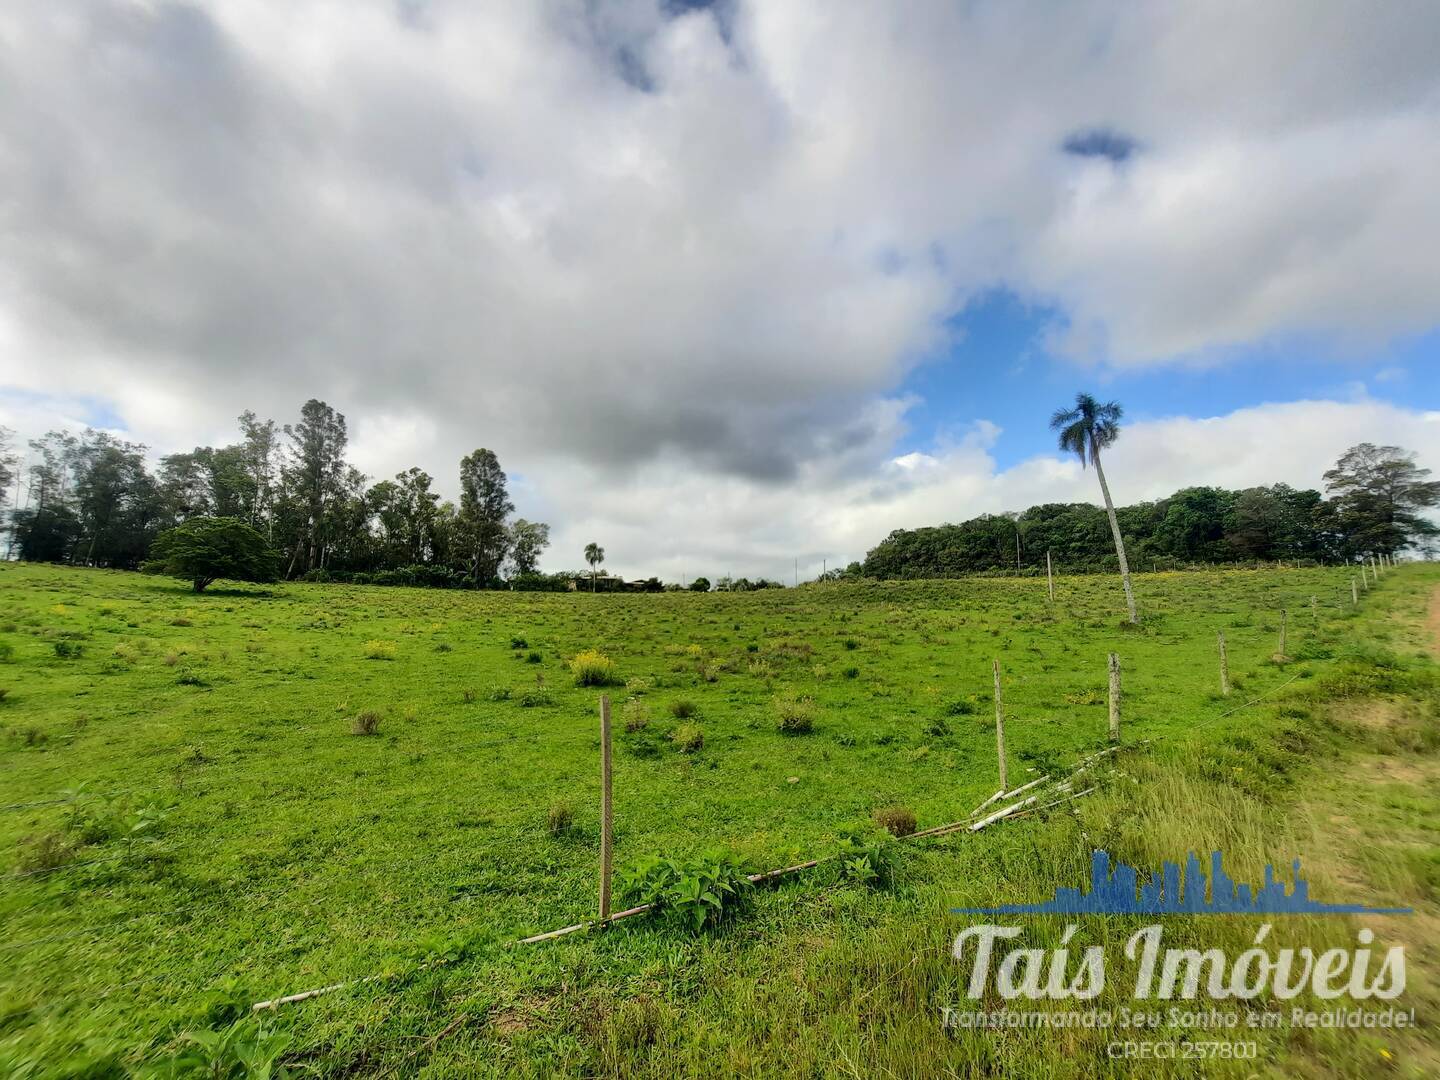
(1432,621)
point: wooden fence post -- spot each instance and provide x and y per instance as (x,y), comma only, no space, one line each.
(1314,611)
(1115,697)
(1280,652)
(1224,667)
(1049,576)
(1354,593)
(1000,730)
(606,819)
(1364,578)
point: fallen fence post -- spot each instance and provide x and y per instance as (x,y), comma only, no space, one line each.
(1224,666)
(1114,697)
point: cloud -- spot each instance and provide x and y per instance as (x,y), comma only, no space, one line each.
(663,522)
(685,252)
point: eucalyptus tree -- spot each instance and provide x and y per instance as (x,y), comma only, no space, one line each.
(484,507)
(1084,431)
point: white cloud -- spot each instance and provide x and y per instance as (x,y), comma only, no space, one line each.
(686,258)
(659,524)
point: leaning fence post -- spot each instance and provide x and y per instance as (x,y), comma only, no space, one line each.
(606,819)
(1280,652)
(1049,576)
(1115,697)
(1364,578)
(1000,730)
(1224,667)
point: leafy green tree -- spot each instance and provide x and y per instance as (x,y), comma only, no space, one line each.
(1379,496)
(1084,431)
(594,555)
(484,506)
(314,477)
(700,584)
(8,461)
(527,540)
(206,549)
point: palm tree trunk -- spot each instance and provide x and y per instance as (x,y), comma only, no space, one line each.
(1119,541)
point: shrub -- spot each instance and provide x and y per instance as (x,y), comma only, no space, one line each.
(519,643)
(69,650)
(561,818)
(696,893)
(851,672)
(637,715)
(499,693)
(592,668)
(533,657)
(867,861)
(45,852)
(688,738)
(794,715)
(535,698)
(896,820)
(960,708)
(366,723)
(851,644)
(379,650)
(682,708)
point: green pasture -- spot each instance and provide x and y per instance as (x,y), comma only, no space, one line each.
(275,850)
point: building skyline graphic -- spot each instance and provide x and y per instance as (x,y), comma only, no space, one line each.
(1171,893)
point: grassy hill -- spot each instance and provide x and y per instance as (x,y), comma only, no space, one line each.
(192,822)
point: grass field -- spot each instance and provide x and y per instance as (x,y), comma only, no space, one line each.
(233,838)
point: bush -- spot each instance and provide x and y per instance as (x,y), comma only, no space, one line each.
(896,820)
(69,650)
(592,668)
(380,650)
(688,738)
(366,723)
(637,715)
(561,818)
(682,708)
(696,893)
(532,699)
(45,852)
(519,643)
(533,657)
(867,861)
(794,715)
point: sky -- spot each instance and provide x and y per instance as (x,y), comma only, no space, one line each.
(738,286)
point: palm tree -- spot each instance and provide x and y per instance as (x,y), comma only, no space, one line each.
(1084,431)
(594,555)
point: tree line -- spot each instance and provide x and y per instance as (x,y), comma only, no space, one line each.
(91,499)
(1376,501)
